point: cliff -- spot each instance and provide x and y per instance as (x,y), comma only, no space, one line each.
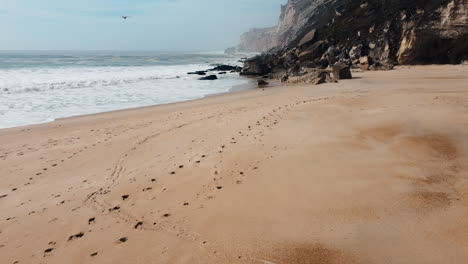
(371,34)
(257,40)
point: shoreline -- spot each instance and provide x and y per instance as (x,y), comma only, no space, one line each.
(237,88)
(369,170)
(72,84)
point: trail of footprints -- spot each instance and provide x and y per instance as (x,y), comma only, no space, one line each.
(219,183)
(255,130)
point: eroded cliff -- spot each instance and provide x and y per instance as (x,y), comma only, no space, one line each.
(257,40)
(371,34)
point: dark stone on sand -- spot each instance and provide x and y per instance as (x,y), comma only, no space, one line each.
(312,76)
(123,239)
(48,250)
(166,215)
(209,77)
(341,71)
(91,220)
(262,83)
(125,197)
(94,254)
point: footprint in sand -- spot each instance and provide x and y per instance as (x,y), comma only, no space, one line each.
(138,224)
(72,237)
(48,251)
(115,208)
(122,240)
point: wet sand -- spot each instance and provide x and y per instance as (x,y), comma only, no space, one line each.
(369,170)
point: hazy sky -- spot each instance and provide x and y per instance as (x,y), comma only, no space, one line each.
(153,25)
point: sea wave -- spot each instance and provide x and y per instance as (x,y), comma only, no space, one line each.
(43,79)
(33,94)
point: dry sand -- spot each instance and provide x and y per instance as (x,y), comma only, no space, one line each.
(370,170)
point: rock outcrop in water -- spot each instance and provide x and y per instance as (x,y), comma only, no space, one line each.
(366,34)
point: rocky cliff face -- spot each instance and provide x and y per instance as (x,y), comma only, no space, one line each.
(300,16)
(257,40)
(371,34)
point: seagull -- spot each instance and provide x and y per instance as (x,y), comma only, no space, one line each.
(125,17)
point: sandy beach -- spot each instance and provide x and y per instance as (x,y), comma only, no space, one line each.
(369,170)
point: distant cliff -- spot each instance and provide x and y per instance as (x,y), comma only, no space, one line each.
(371,34)
(257,40)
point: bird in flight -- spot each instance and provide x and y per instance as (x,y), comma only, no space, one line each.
(125,17)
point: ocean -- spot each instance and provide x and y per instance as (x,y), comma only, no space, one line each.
(38,86)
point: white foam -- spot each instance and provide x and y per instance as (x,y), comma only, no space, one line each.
(37,95)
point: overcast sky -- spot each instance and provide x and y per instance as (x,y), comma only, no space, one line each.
(153,24)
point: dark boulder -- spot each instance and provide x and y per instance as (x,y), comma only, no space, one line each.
(262,83)
(209,77)
(310,76)
(223,72)
(226,68)
(198,72)
(256,66)
(341,71)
